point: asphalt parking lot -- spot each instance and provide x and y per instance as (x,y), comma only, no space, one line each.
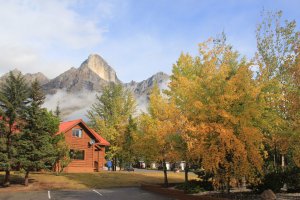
(92,194)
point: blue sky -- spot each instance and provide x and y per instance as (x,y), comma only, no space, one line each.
(137,38)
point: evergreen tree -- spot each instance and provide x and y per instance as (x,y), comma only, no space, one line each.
(13,96)
(36,150)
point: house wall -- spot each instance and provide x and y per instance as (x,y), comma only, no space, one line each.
(86,165)
(99,156)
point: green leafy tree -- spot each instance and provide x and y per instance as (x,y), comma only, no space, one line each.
(128,155)
(62,153)
(278,44)
(13,96)
(110,116)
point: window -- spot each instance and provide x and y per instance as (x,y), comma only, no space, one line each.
(77,133)
(77,154)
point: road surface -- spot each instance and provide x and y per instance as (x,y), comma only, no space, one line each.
(92,194)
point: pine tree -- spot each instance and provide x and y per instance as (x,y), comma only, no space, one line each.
(36,150)
(13,96)
(57,112)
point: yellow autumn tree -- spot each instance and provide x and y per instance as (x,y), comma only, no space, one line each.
(157,129)
(217,94)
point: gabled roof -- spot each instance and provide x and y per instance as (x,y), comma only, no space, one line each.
(66,126)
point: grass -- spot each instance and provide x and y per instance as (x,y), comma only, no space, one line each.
(103,179)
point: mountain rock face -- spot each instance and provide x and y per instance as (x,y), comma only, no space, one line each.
(75,90)
(29,78)
(99,66)
(144,87)
(40,77)
(142,90)
(93,74)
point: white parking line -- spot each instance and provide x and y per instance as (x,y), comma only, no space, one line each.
(49,195)
(97,192)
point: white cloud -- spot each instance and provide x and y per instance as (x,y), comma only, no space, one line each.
(33,32)
(73,106)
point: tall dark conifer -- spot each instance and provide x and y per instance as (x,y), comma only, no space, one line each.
(36,150)
(13,96)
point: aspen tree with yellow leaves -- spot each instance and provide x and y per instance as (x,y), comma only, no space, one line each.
(217,94)
(157,131)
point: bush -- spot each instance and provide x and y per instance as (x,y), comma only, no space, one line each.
(194,186)
(276,180)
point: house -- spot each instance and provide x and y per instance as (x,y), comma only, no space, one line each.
(87,148)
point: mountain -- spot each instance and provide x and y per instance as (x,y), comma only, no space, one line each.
(75,89)
(92,75)
(29,78)
(142,90)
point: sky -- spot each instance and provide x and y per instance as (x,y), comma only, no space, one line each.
(138,38)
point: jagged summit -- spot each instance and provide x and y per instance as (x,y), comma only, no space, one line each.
(99,66)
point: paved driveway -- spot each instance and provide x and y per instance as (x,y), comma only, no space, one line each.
(109,194)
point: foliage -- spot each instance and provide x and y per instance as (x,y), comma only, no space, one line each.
(273,181)
(278,55)
(216,93)
(110,116)
(35,148)
(193,187)
(127,155)
(13,96)
(157,130)
(62,152)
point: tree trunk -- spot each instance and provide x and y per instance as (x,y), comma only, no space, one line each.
(275,165)
(114,164)
(228,185)
(6,181)
(166,183)
(26,178)
(282,162)
(186,177)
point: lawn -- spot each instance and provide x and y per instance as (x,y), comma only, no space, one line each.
(103,179)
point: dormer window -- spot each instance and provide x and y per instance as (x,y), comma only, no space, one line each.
(77,133)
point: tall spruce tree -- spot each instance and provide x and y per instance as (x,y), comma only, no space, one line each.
(13,96)
(35,147)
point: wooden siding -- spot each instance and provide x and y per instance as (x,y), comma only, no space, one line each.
(86,165)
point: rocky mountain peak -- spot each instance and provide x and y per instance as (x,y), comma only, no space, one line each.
(99,66)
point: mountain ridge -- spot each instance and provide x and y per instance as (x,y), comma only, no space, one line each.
(75,89)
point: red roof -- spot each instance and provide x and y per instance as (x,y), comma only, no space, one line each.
(66,126)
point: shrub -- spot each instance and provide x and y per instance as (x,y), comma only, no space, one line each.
(194,186)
